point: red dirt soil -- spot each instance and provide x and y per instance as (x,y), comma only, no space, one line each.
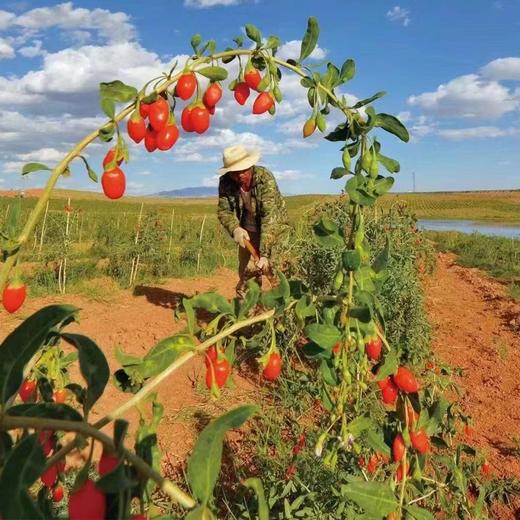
(477,328)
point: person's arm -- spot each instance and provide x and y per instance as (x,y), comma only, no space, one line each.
(272,213)
(226,211)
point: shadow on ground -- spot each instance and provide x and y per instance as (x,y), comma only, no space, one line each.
(160,297)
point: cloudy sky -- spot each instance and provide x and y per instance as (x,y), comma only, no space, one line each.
(451,69)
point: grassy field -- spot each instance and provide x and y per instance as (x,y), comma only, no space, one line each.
(485,205)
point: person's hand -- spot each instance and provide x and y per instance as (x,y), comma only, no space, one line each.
(262,264)
(240,235)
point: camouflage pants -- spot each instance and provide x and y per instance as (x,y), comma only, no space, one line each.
(246,265)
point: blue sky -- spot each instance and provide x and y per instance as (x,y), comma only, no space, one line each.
(451,70)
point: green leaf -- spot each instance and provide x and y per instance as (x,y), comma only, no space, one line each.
(390,164)
(376,499)
(164,354)
(331,79)
(389,366)
(304,308)
(273,42)
(351,260)
(366,101)
(338,172)
(256,485)
(50,410)
(34,167)
(326,336)
(20,346)
(307,82)
(327,233)
(340,133)
(348,70)
(108,106)
(204,462)
(376,441)
(93,366)
(107,132)
(23,466)
(125,359)
(254,34)
(195,42)
(418,513)
(359,425)
(392,125)
(383,184)
(118,91)
(250,299)
(214,73)
(381,260)
(310,39)
(328,373)
(230,58)
(212,302)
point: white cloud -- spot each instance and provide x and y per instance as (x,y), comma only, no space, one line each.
(467,96)
(144,173)
(210,182)
(114,27)
(43,154)
(6,50)
(20,134)
(404,116)
(12,167)
(287,175)
(400,15)
(291,49)
(477,132)
(6,19)
(503,69)
(182,154)
(202,4)
(33,50)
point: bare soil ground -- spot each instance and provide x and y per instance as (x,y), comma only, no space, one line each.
(476,327)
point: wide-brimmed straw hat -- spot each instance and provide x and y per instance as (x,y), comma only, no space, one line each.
(237,158)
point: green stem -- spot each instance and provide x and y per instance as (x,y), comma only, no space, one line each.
(172,490)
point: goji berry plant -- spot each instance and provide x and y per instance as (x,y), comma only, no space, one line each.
(408,464)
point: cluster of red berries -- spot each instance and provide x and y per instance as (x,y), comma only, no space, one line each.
(252,78)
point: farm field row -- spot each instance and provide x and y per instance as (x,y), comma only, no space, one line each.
(477,205)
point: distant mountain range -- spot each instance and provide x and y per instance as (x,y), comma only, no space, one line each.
(196,191)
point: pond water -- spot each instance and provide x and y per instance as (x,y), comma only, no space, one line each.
(469,226)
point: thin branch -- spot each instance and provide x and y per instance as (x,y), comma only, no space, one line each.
(172,490)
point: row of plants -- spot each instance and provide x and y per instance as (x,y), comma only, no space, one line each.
(373,403)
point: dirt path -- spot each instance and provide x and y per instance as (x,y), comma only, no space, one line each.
(477,328)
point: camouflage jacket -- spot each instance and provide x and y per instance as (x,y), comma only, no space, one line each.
(267,204)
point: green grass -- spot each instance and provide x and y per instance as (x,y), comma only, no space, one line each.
(500,257)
